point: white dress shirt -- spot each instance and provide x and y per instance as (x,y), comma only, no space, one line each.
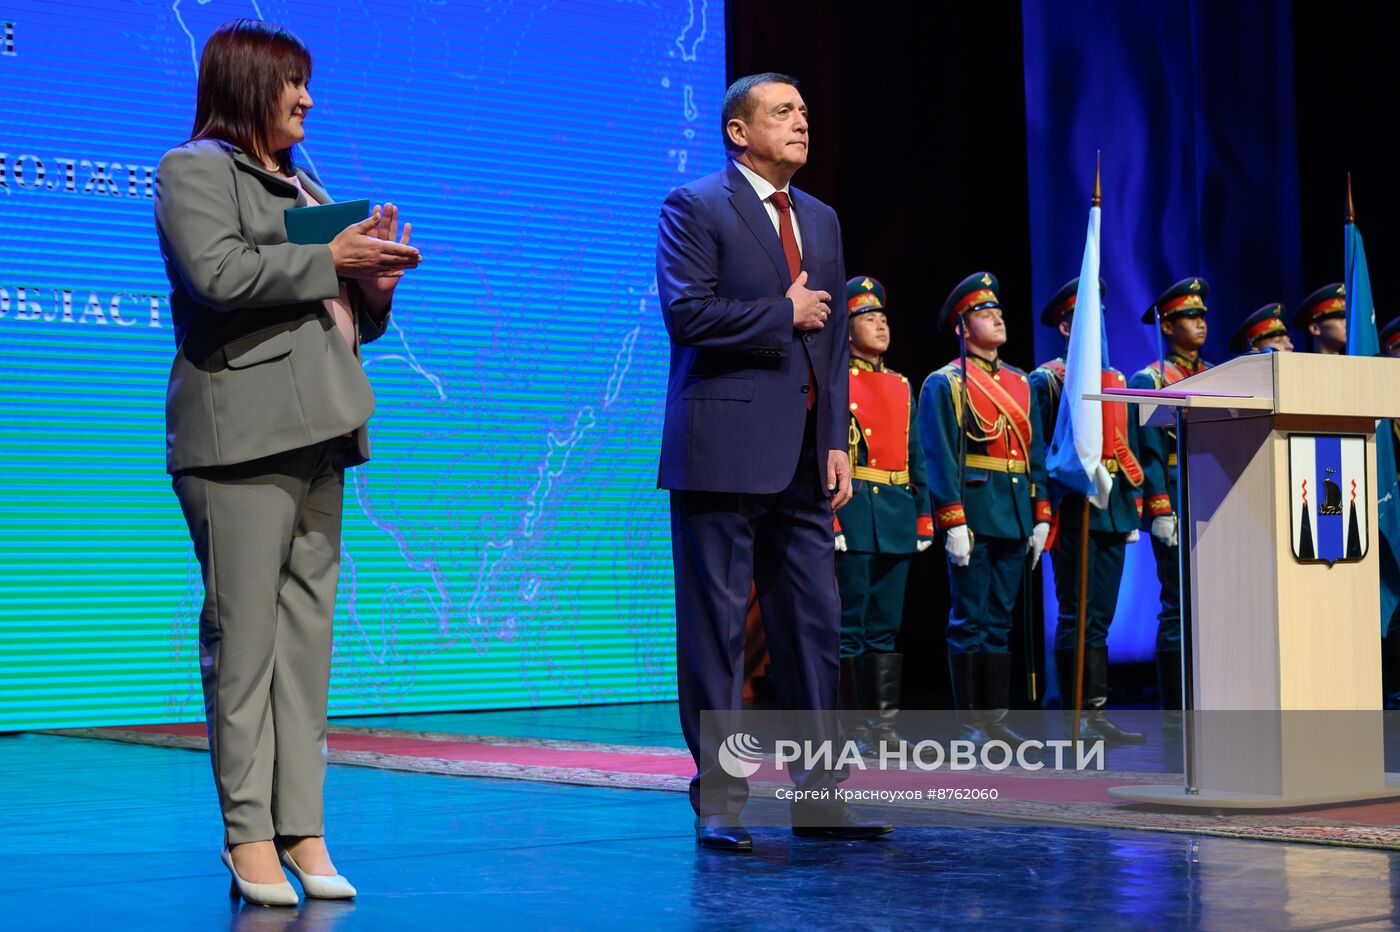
(764,190)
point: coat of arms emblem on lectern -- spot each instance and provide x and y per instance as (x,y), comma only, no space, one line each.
(1328,497)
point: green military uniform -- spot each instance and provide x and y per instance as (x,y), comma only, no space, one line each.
(880,528)
(1158,444)
(1109,530)
(1001,500)
(1263,324)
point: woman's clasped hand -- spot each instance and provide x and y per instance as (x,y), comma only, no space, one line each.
(373,248)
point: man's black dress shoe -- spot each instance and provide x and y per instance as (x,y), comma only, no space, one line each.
(834,820)
(722,833)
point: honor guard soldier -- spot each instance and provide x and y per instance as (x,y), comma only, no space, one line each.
(1180,315)
(887,520)
(1262,332)
(1390,346)
(1390,338)
(1323,315)
(1111,529)
(981,434)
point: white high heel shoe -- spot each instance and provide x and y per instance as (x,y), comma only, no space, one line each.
(259,894)
(319,886)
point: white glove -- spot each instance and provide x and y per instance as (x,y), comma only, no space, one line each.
(840,543)
(1103,482)
(1036,545)
(959,546)
(1164,529)
(1133,536)
(923,545)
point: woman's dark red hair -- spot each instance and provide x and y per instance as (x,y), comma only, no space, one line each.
(245,66)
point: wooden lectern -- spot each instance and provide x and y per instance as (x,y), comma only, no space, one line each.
(1283,674)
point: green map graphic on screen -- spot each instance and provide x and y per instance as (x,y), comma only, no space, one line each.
(506,546)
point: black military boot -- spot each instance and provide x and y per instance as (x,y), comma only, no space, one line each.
(1064,675)
(1169,679)
(853,707)
(1390,666)
(1096,700)
(994,682)
(963,668)
(883,675)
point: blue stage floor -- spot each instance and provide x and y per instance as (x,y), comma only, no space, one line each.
(103,835)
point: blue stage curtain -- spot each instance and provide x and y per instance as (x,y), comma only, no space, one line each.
(1192,105)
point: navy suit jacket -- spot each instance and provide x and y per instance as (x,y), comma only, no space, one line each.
(735,409)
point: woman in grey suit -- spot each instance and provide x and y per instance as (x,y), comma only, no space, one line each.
(267,405)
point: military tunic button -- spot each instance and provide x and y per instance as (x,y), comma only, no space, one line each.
(854,372)
(853,406)
(1015,481)
(868,432)
(806,389)
(875,490)
(996,378)
(873,461)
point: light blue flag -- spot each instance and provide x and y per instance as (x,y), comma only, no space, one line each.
(1077,447)
(1362,340)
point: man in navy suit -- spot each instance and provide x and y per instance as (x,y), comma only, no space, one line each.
(754,445)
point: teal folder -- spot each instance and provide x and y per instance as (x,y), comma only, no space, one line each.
(322,223)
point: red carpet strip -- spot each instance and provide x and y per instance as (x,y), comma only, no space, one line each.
(1065,798)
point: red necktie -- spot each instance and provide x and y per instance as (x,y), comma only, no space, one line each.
(786,233)
(794,260)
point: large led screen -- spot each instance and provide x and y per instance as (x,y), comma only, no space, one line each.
(506,546)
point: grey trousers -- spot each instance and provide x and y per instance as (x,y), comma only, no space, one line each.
(267,536)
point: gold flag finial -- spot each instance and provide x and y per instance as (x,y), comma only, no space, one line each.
(1351,207)
(1098,185)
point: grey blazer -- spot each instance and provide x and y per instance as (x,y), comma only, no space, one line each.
(259,365)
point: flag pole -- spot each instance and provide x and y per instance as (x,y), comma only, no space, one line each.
(962,411)
(1030,644)
(1161,347)
(1351,207)
(1095,201)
